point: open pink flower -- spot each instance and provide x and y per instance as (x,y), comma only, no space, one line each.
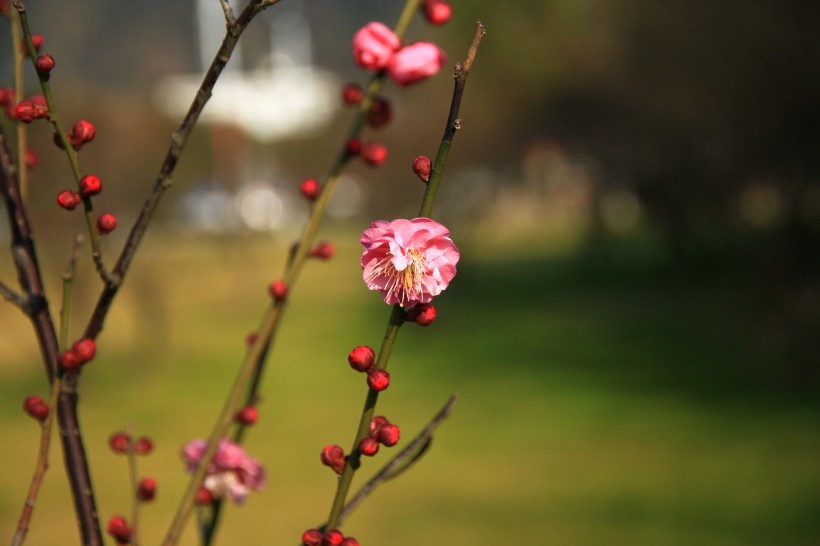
(409,261)
(374,45)
(415,62)
(232,472)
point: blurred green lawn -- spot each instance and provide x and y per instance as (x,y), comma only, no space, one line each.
(601,402)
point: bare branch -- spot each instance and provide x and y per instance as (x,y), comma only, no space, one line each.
(230,18)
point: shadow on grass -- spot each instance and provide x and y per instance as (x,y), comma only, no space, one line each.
(626,317)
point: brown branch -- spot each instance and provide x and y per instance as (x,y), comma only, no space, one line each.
(230,18)
(462,70)
(163,180)
(13,297)
(28,270)
(39,469)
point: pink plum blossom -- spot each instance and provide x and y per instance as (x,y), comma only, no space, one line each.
(409,261)
(415,62)
(374,45)
(232,472)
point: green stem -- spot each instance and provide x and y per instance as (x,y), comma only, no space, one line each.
(397,312)
(353,461)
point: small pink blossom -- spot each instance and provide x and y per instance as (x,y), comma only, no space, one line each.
(232,472)
(374,45)
(415,62)
(409,261)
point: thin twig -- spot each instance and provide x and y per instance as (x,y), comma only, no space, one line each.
(13,297)
(45,433)
(230,18)
(402,461)
(39,469)
(462,70)
(163,180)
(131,457)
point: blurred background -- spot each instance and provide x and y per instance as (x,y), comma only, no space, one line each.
(633,332)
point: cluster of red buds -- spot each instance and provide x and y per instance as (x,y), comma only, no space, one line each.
(331,537)
(27,110)
(362,359)
(82,351)
(122,443)
(35,407)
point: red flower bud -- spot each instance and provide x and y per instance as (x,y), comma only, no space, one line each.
(90,185)
(68,199)
(324,250)
(437,12)
(32,159)
(143,446)
(119,530)
(203,497)
(376,425)
(422,167)
(389,435)
(334,457)
(374,153)
(380,113)
(369,446)
(353,147)
(312,537)
(69,361)
(119,442)
(247,415)
(40,106)
(37,40)
(361,358)
(332,537)
(35,407)
(106,223)
(85,349)
(82,132)
(250,339)
(6,95)
(147,489)
(422,314)
(378,380)
(278,290)
(352,94)
(25,111)
(310,188)
(350,541)
(44,64)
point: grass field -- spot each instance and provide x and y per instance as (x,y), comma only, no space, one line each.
(601,402)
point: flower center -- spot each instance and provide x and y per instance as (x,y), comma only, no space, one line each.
(407,283)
